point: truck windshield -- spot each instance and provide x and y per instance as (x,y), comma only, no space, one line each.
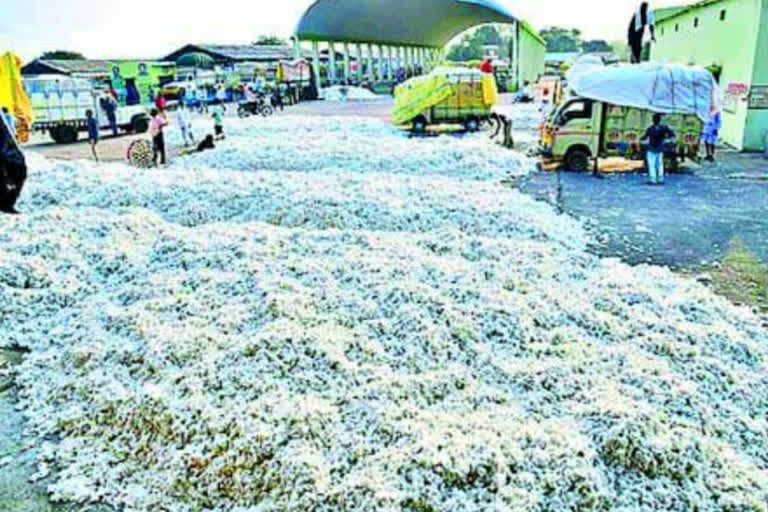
(574,109)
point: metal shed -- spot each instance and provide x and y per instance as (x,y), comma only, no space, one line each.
(384,32)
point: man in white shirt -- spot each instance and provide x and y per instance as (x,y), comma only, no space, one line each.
(642,18)
(185,125)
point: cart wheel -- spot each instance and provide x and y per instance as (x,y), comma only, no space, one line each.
(267,110)
(577,160)
(472,124)
(419,124)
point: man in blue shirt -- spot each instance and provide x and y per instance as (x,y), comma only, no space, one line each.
(93,132)
(110,108)
(655,137)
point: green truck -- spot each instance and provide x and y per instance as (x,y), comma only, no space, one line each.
(582,129)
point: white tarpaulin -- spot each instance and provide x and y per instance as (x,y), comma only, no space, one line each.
(664,88)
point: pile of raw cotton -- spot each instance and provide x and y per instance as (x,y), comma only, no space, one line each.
(396,338)
(348,93)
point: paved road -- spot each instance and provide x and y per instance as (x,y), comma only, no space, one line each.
(686,223)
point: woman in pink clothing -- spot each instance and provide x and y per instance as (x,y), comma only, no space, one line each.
(159,121)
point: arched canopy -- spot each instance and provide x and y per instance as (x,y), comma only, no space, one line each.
(430,23)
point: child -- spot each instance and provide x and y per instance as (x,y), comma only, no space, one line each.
(710,133)
(158,138)
(218,120)
(655,137)
(93,132)
(185,125)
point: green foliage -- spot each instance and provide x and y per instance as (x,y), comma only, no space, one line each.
(596,46)
(270,41)
(471,45)
(562,39)
(62,55)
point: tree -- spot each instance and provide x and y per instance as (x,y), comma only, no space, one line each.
(596,46)
(270,41)
(62,55)
(471,45)
(562,39)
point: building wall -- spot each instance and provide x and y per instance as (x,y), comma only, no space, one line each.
(756,133)
(730,43)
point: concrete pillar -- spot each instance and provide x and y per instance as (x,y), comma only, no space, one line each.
(406,60)
(332,62)
(359,62)
(296,48)
(346,63)
(382,67)
(370,73)
(316,64)
(391,63)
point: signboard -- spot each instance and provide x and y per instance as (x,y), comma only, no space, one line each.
(758,98)
(297,71)
(735,93)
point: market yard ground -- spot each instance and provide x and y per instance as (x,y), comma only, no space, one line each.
(406,218)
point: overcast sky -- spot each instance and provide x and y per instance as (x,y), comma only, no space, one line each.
(154,28)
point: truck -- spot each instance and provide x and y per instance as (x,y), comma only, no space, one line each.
(582,128)
(446,96)
(610,109)
(59,105)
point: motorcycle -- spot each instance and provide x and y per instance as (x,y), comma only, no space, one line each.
(259,106)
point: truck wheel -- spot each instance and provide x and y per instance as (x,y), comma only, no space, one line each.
(64,134)
(472,124)
(139,125)
(577,160)
(55,135)
(419,124)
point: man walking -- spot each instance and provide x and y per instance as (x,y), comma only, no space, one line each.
(642,18)
(93,132)
(655,137)
(711,133)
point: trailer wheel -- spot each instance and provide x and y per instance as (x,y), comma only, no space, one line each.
(139,125)
(472,124)
(64,134)
(577,160)
(419,124)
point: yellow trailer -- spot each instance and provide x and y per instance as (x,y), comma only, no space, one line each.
(13,96)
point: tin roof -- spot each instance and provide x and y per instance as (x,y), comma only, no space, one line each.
(429,23)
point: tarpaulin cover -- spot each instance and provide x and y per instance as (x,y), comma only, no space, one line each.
(663,88)
(12,93)
(424,92)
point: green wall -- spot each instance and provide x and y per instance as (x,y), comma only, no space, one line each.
(756,132)
(731,43)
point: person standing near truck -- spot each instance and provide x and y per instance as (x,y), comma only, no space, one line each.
(218,120)
(93,132)
(110,108)
(655,137)
(710,134)
(185,125)
(642,18)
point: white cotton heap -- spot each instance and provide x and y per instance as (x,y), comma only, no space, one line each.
(227,334)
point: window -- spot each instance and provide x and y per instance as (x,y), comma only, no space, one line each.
(677,27)
(722,15)
(576,109)
(695,22)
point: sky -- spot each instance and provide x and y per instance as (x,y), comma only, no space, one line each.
(154,28)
